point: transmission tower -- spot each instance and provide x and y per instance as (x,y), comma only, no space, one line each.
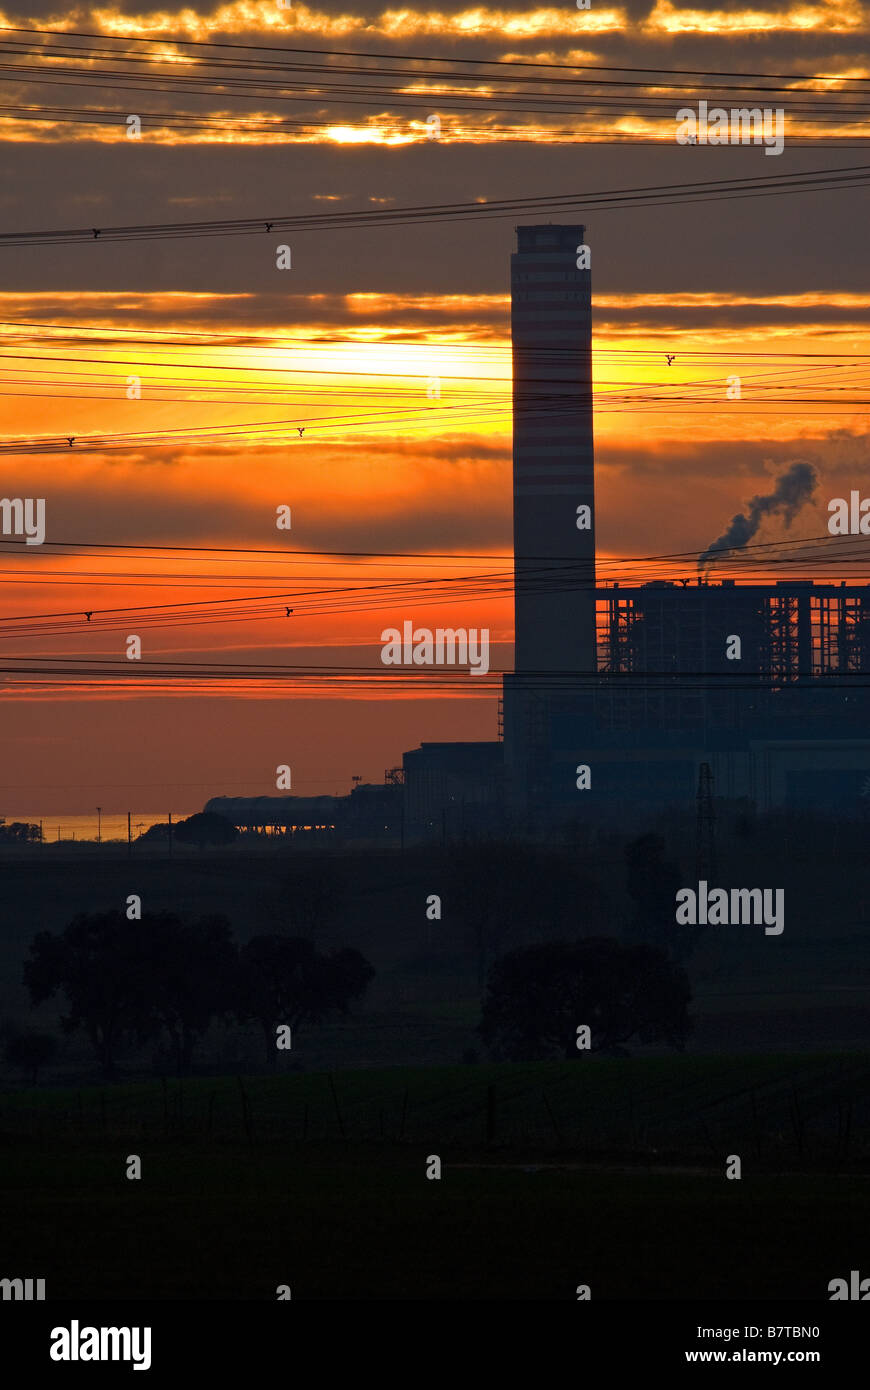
(705,837)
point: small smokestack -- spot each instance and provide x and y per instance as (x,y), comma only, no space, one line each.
(793,488)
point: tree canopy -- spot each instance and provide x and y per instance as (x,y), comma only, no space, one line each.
(205,828)
(537,997)
(286,980)
(126,982)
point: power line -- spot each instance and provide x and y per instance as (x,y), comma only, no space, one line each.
(352,83)
(242,342)
(401,554)
(812,180)
(422,58)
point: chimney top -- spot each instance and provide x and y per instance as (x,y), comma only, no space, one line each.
(549,236)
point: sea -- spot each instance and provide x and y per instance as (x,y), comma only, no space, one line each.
(111,825)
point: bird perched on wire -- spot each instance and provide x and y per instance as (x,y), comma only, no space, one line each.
(670,356)
(300,432)
(89,615)
(288,611)
(70,439)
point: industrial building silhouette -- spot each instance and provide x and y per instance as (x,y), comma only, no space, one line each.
(634,682)
(631,683)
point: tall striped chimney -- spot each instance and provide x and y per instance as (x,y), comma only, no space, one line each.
(554,559)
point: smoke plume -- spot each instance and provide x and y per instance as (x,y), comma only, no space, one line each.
(793,488)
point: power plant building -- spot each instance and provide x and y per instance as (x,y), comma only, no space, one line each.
(635,682)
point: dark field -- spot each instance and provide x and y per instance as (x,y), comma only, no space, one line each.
(608,1173)
(601,1171)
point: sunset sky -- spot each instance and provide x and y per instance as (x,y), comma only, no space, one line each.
(389,346)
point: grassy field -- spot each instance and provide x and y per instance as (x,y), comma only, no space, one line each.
(777,1107)
(605,1172)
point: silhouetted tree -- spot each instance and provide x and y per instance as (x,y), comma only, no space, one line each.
(205,828)
(128,981)
(538,996)
(653,883)
(19,832)
(509,894)
(30,1052)
(285,980)
(158,832)
(187,977)
(95,964)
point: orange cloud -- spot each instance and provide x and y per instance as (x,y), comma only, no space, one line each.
(253,16)
(834,17)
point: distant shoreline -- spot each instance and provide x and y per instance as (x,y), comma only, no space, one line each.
(112,825)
